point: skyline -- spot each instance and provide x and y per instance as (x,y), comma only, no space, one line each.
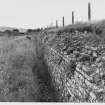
(42,13)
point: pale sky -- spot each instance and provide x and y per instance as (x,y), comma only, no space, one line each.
(40,13)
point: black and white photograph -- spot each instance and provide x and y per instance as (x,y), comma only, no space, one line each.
(52,51)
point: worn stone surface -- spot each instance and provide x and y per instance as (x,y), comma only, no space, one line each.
(76,67)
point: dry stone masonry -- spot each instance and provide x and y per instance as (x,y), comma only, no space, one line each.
(77,66)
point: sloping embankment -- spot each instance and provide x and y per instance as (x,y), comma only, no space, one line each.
(76,65)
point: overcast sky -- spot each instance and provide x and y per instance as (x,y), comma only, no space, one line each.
(40,13)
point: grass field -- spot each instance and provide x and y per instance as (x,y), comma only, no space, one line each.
(22,75)
(16,78)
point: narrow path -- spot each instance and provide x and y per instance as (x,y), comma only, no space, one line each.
(24,75)
(47,90)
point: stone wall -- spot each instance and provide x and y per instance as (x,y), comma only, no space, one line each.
(74,80)
(73,84)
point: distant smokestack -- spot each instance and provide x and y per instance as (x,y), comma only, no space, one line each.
(89,12)
(56,24)
(72,17)
(63,21)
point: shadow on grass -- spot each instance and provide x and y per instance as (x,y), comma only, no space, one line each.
(47,91)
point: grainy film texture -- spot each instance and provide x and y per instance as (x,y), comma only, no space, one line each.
(60,61)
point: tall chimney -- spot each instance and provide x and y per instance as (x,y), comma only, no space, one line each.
(89,12)
(72,17)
